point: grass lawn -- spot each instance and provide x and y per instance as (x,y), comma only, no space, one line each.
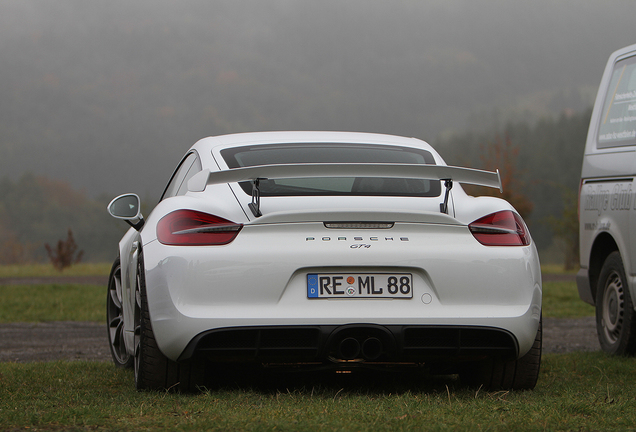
(578,391)
(561,300)
(64,302)
(47,270)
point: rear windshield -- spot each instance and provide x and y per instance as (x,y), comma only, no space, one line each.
(247,156)
(618,120)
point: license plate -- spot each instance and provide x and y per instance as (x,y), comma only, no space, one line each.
(359,285)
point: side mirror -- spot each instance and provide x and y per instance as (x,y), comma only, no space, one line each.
(128,208)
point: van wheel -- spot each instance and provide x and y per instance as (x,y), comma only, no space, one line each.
(615,323)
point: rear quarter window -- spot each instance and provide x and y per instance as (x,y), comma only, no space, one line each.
(178,184)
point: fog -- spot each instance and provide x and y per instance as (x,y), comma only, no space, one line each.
(108,95)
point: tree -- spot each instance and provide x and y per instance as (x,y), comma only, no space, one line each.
(566,227)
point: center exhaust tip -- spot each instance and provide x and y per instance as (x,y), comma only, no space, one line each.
(372,348)
(349,349)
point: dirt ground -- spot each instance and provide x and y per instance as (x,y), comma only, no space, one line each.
(69,340)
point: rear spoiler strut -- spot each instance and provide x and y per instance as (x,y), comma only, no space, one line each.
(254,174)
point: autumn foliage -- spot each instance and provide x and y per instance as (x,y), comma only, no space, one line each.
(502,154)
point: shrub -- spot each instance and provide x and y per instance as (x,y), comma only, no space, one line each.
(64,254)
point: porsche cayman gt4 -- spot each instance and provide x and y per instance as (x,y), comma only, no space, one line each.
(324,250)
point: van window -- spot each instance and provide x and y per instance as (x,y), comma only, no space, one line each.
(618,119)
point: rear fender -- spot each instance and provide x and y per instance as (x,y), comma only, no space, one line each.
(129,250)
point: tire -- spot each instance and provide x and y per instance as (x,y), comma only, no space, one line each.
(615,321)
(497,374)
(115,319)
(153,370)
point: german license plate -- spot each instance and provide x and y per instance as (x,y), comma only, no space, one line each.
(359,285)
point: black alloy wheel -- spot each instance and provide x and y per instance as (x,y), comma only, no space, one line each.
(115,319)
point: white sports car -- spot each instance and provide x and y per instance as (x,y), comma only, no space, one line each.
(324,249)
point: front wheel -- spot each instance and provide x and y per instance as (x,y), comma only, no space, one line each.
(615,323)
(115,319)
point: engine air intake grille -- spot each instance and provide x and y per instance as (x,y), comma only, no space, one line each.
(297,343)
(458,341)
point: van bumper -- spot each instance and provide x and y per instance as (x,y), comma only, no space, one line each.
(583,284)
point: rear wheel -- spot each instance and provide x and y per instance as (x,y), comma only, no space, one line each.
(115,319)
(497,374)
(153,370)
(615,323)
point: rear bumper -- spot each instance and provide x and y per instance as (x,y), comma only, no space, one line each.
(260,282)
(353,342)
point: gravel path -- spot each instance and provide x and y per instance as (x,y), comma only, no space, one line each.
(55,340)
(567,335)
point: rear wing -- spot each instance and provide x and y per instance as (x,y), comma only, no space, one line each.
(254,174)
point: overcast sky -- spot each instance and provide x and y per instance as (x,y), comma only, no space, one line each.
(109,94)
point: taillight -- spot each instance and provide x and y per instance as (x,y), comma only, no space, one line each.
(193,228)
(504,228)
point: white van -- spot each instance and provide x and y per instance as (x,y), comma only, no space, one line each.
(607,207)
